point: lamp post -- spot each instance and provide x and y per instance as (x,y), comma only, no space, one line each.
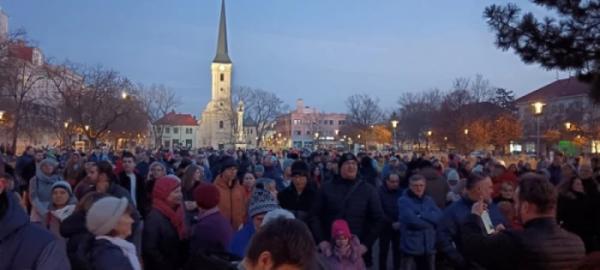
(568,126)
(316,140)
(466,132)
(538,108)
(429,133)
(394,125)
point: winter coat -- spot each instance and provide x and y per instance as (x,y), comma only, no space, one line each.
(79,240)
(351,261)
(161,246)
(233,202)
(542,245)
(418,220)
(299,204)
(437,186)
(211,233)
(141,200)
(389,202)
(575,213)
(107,256)
(241,239)
(362,210)
(555,174)
(24,245)
(448,230)
(40,195)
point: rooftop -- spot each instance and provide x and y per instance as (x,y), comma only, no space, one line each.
(557,89)
(176,119)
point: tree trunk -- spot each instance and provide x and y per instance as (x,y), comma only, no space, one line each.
(15,134)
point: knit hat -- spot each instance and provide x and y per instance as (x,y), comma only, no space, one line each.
(64,185)
(300,168)
(225,163)
(261,201)
(259,168)
(207,196)
(452,176)
(104,215)
(340,228)
(345,157)
(49,161)
(275,214)
(164,186)
(287,163)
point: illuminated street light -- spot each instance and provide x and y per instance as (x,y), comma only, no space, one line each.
(86,127)
(66,124)
(337,132)
(538,107)
(466,131)
(2,115)
(429,133)
(568,125)
(124,95)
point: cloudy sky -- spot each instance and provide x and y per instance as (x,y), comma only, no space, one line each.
(318,50)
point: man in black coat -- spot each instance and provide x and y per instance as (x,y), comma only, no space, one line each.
(541,245)
(348,197)
(389,193)
(300,196)
(133,183)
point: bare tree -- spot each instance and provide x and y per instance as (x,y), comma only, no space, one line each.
(157,101)
(261,106)
(21,80)
(363,110)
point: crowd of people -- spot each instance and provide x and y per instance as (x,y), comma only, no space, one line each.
(296,209)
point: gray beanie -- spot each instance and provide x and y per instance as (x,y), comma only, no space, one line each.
(277,213)
(261,201)
(104,215)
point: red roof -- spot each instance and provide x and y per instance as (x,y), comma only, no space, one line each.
(557,89)
(21,51)
(176,119)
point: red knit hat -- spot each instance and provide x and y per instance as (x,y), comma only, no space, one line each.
(340,228)
(207,196)
(164,186)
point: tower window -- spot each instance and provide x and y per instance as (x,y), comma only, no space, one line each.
(221,124)
(222,77)
(221,88)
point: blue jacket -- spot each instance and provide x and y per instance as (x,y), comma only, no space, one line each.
(448,231)
(418,221)
(389,202)
(107,256)
(24,245)
(241,239)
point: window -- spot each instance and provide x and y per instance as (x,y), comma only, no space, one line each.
(167,144)
(159,129)
(341,122)
(189,131)
(221,124)
(307,132)
(175,130)
(296,121)
(331,122)
(175,142)
(188,143)
(222,77)
(221,89)
(298,132)
(167,130)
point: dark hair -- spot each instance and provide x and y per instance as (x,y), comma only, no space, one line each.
(127,154)
(87,200)
(416,177)
(537,189)
(473,179)
(288,240)
(104,167)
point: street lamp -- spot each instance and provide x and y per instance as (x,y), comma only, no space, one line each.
(466,131)
(568,125)
(538,108)
(2,115)
(429,133)
(124,95)
(66,124)
(394,125)
(87,128)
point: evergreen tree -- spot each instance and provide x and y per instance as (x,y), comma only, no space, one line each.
(569,40)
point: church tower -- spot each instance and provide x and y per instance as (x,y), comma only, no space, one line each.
(216,126)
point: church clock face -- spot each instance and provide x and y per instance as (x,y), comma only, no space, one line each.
(222,67)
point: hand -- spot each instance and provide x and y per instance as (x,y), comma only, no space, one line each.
(190,206)
(396,226)
(478,208)
(325,248)
(500,228)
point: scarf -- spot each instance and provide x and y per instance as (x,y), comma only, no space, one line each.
(128,250)
(174,216)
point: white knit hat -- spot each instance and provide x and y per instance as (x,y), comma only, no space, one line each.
(104,215)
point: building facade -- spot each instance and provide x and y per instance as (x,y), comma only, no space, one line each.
(176,131)
(568,120)
(307,127)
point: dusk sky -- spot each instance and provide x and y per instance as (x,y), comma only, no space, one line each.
(320,50)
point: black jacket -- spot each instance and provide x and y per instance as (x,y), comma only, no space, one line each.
(141,198)
(299,205)
(161,247)
(79,241)
(541,245)
(389,202)
(107,256)
(575,213)
(362,210)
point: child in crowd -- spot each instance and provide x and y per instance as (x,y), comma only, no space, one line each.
(345,251)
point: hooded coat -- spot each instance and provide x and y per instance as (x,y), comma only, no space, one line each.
(40,193)
(24,245)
